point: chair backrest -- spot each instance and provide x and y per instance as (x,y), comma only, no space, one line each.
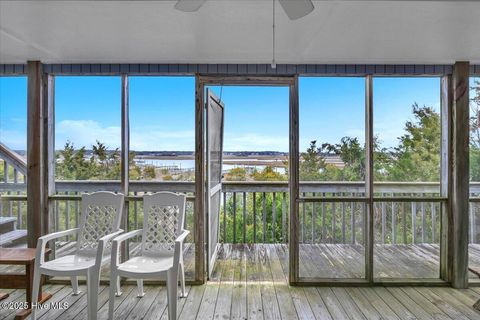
(163,218)
(101,215)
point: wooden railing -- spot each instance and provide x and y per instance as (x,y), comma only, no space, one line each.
(13,183)
(251,212)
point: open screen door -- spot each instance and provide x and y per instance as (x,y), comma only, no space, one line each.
(214,144)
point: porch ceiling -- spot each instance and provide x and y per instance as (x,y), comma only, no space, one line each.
(232,31)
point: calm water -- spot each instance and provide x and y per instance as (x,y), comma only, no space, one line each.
(190,164)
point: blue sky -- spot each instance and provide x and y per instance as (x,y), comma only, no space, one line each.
(256,118)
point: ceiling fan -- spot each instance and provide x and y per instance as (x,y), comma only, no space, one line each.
(295,9)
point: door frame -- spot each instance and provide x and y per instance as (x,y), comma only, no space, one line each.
(201,81)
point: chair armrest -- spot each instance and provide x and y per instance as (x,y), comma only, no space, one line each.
(42,242)
(128,235)
(178,253)
(102,243)
(115,260)
(182,236)
(107,237)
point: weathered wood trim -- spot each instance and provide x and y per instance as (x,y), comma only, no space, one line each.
(125,136)
(199,220)
(35,182)
(125,150)
(294,183)
(445,173)
(13,69)
(241,69)
(13,159)
(369,227)
(48,149)
(458,233)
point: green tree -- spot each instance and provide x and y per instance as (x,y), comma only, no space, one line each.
(312,164)
(417,158)
(236,174)
(268,174)
(475,132)
(149,172)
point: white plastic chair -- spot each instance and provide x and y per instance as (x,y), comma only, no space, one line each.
(100,223)
(161,249)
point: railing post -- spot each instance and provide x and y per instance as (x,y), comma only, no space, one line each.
(458,232)
(264,217)
(234,217)
(274,216)
(254,217)
(224,217)
(40,151)
(394,224)
(244,217)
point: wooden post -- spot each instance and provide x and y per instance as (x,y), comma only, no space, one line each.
(445,176)
(124,170)
(368,220)
(199,216)
(294,184)
(35,183)
(125,136)
(48,150)
(458,231)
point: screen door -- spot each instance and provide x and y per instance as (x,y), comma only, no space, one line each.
(214,145)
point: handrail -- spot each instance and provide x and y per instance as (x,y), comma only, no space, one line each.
(14,159)
(331,211)
(243,186)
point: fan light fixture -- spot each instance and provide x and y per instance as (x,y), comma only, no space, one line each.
(295,9)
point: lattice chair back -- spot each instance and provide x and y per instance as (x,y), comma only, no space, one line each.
(101,215)
(163,220)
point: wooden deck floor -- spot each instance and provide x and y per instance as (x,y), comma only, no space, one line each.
(249,282)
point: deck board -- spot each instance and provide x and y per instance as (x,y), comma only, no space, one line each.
(250,282)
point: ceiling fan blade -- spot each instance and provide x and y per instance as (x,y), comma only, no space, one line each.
(189,5)
(296,9)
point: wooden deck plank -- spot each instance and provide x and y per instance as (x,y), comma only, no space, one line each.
(239,294)
(348,303)
(383,309)
(316,304)
(271,309)
(250,282)
(65,295)
(448,308)
(400,310)
(210,296)
(426,304)
(223,306)
(334,306)
(410,304)
(290,300)
(254,294)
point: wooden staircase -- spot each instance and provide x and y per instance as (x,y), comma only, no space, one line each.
(10,236)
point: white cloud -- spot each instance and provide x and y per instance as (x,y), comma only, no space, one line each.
(255,142)
(87,132)
(152,138)
(15,140)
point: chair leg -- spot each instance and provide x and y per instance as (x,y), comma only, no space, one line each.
(74,280)
(92,293)
(172,285)
(114,288)
(118,291)
(182,280)
(36,287)
(140,292)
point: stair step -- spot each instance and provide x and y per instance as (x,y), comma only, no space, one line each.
(13,237)
(5,220)
(7,224)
